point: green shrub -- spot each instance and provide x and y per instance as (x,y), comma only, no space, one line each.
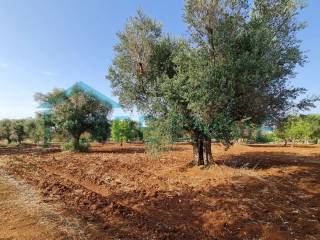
(158,138)
(267,138)
(83,145)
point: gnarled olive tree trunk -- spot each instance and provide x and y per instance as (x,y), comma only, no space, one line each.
(76,141)
(202,150)
(207,153)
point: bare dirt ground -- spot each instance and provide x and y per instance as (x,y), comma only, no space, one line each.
(254,192)
(24,214)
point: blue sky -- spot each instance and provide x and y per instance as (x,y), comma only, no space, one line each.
(54,43)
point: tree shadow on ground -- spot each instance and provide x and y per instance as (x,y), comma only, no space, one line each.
(118,150)
(27,149)
(275,207)
(282,145)
(131,149)
(266,160)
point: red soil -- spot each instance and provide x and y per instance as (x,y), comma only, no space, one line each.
(254,192)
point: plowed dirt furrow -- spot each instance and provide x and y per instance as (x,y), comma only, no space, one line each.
(87,185)
(24,215)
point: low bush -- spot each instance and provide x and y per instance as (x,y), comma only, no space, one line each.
(267,138)
(83,145)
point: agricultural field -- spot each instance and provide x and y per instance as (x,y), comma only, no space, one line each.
(118,192)
(155,120)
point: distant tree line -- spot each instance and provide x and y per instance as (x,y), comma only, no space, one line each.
(291,129)
(299,129)
(74,119)
(34,130)
(13,130)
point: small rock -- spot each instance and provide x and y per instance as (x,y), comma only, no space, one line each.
(93,207)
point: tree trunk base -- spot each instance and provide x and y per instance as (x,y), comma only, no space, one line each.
(202,152)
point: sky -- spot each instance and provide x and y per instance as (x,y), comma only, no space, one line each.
(54,43)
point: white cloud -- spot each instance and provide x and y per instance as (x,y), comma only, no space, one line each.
(48,73)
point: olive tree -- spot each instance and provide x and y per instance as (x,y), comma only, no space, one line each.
(6,129)
(235,67)
(124,130)
(34,128)
(301,128)
(314,120)
(120,131)
(75,113)
(18,133)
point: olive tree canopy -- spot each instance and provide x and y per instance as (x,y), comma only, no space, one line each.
(234,67)
(76,113)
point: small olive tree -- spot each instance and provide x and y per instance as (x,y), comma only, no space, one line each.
(314,120)
(34,128)
(18,133)
(76,113)
(299,128)
(6,129)
(124,130)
